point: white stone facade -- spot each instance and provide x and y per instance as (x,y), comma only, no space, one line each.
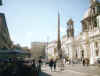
(51,51)
(73,47)
(89,46)
(87,43)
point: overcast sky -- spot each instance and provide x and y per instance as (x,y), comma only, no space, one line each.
(36,20)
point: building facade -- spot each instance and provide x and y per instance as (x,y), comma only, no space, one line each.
(37,49)
(51,50)
(87,43)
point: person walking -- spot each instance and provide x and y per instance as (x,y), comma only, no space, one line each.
(87,61)
(54,64)
(39,65)
(51,64)
(34,68)
(83,62)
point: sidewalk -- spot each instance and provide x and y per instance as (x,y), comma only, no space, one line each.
(78,68)
(91,70)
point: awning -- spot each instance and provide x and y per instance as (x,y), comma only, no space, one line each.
(13,53)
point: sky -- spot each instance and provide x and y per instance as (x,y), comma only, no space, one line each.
(36,20)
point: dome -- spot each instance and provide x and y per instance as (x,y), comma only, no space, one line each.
(87,13)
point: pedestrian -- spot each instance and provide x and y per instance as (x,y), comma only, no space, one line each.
(51,64)
(87,61)
(83,62)
(33,65)
(54,64)
(39,65)
(34,68)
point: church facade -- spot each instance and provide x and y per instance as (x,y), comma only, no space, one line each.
(87,43)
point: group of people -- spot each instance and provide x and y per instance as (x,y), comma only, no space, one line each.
(29,68)
(84,61)
(20,68)
(52,64)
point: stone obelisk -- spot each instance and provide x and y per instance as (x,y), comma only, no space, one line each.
(58,38)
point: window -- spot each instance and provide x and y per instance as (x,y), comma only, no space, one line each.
(98,21)
(97,9)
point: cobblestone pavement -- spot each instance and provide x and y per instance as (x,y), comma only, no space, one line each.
(76,70)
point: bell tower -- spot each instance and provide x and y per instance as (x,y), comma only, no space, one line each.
(70,28)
